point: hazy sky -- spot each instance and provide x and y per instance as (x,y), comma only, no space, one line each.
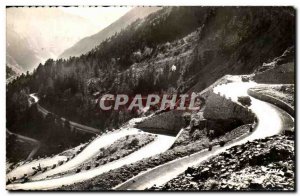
(48,31)
(99,16)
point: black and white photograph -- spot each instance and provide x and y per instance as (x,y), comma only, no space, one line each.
(172,98)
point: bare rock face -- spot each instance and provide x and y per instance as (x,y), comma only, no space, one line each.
(283,74)
(280,70)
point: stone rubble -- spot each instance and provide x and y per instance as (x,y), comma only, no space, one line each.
(264,164)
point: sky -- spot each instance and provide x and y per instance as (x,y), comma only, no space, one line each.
(101,17)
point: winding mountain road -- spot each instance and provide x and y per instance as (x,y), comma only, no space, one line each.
(27,168)
(271,120)
(164,143)
(39,183)
(91,150)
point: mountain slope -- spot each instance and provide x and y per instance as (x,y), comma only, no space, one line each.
(202,43)
(88,43)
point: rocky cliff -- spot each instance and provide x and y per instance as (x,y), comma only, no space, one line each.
(281,74)
(281,70)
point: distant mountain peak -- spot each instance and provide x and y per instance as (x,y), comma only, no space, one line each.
(88,43)
(36,34)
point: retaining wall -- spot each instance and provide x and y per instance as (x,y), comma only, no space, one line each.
(267,98)
(168,123)
(220,107)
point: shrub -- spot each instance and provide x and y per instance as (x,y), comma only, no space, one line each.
(88,167)
(187,118)
(245,79)
(78,170)
(245,100)
(113,150)
(251,128)
(25,179)
(134,142)
(197,135)
(98,157)
(222,143)
(211,134)
(283,88)
(137,56)
(209,147)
